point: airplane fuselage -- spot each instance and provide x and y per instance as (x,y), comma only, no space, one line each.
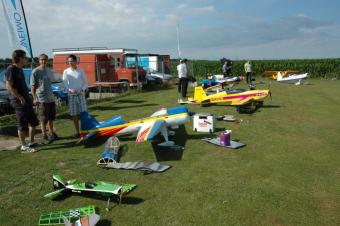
(292,78)
(232,99)
(133,126)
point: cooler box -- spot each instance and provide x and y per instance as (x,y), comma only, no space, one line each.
(203,122)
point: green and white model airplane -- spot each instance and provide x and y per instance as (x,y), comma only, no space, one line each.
(106,189)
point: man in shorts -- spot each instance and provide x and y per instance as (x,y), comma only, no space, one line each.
(75,84)
(20,101)
(43,98)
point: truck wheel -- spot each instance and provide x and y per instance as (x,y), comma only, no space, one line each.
(124,87)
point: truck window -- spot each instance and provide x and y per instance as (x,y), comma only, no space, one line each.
(130,61)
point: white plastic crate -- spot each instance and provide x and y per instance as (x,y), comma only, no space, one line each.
(203,122)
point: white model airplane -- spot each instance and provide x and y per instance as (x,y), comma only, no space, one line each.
(146,128)
(293,78)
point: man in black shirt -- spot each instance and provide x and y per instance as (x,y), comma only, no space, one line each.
(20,101)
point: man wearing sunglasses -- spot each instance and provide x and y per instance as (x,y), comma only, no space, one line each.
(43,98)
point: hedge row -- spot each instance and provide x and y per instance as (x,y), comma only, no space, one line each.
(316,68)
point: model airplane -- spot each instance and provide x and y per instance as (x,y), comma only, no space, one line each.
(220,81)
(273,74)
(146,128)
(70,216)
(292,78)
(247,101)
(106,189)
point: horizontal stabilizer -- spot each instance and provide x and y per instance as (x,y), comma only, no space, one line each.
(54,194)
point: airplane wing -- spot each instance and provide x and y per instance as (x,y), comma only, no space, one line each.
(148,130)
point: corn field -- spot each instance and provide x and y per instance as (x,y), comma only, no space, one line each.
(316,68)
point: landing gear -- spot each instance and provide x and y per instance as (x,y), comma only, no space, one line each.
(120,197)
(250,107)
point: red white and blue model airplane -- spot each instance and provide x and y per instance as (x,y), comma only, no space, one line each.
(146,128)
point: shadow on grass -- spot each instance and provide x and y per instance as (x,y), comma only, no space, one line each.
(156,88)
(9,131)
(171,153)
(111,108)
(104,223)
(94,141)
(270,106)
(58,145)
(131,101)
(128,200)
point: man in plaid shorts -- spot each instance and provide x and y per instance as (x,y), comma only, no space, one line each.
(75,84)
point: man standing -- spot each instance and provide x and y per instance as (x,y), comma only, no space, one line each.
(249,72)
(43,98)
(226,68)
(183,77)
(20,101)
(75,84)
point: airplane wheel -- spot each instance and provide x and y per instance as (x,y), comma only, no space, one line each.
(259,104)
(247,108)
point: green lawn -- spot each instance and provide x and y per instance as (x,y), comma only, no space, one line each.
(288,174)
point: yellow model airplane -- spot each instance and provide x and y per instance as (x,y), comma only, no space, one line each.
(247,101)
(274,74)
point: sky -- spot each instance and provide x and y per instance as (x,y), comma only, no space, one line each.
(207,29)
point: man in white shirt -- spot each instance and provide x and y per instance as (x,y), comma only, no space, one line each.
(183,77)
(75,85)
(249,72)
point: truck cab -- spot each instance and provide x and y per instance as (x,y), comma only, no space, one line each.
(103,65)
(129,69)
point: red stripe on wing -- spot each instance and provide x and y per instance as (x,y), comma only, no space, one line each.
(142,135)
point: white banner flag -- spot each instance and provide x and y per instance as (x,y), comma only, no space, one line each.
(17,28)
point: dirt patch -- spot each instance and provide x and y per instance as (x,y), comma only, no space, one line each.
(9,144)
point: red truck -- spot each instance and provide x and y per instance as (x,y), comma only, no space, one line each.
(103,65)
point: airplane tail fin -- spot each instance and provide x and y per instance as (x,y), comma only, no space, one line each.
(58,186)
(199,94)
(87,121)
(279,76)
(58,182)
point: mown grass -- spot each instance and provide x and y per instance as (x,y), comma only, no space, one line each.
(288,174)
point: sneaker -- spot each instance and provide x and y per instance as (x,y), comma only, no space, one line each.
(46,140)
(27,149)
(54,136)
(32,144)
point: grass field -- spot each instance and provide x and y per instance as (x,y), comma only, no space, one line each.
(288,174)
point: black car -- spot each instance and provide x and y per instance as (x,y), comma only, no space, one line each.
(5,106)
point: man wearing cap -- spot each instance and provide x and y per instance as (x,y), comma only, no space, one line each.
(183,77)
